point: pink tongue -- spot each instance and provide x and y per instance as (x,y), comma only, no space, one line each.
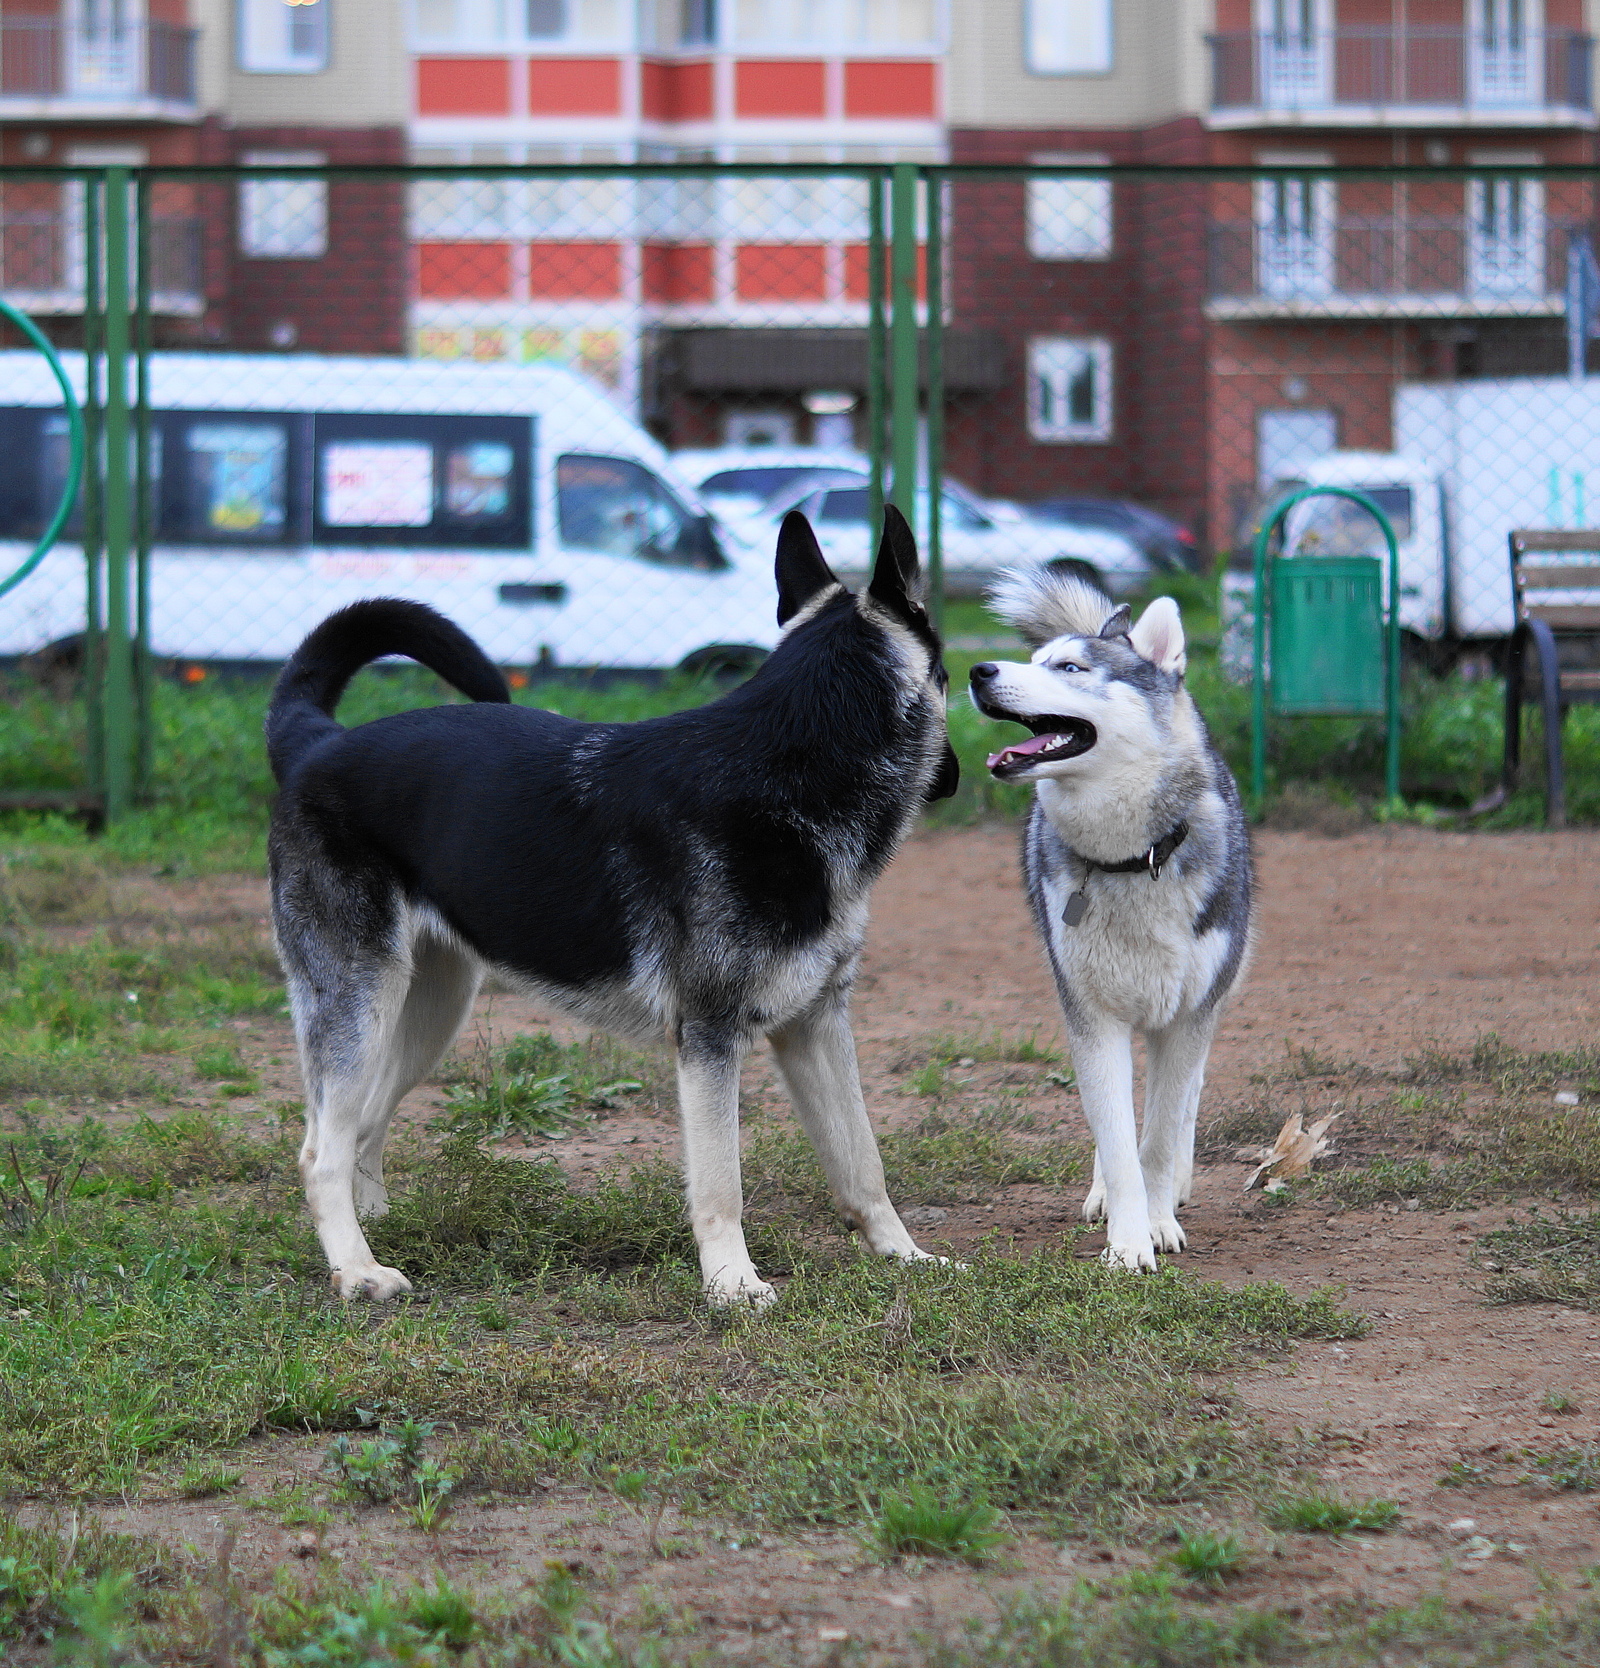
(1024,749)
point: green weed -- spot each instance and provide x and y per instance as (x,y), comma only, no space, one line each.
(1327,1514)
(1575,1469)
(919,1525)
(1206,1557)
(537,1087)
(1546,1260)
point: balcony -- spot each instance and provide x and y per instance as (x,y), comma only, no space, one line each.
(1389,267)
(53,70)
(41,261)
(1359,77)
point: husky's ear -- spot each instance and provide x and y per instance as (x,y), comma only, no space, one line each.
(895,571)
(1159,636)
(1117,624)
(802,569)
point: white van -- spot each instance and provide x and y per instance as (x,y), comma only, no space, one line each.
(1408,494)
(519,501)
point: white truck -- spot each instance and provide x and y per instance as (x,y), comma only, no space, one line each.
(1473,460)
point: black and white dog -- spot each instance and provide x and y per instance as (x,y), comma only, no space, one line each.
(703,875)
(1137,862)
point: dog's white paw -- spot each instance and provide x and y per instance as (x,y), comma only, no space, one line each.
(733,1287)
(1166,1235)
(1139,1255)
(1094,1206)
(373,1280)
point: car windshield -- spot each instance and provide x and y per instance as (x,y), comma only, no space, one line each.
(765,482)
(853,504)
(618,506)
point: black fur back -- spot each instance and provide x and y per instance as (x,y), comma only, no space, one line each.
(308,689)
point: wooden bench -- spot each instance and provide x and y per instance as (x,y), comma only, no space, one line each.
(1555,645)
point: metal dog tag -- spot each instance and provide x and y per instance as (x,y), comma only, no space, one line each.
(1077,908)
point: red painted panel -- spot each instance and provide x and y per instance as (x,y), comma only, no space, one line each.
(463,87)
(675,92)
(574,87)
(781,271)
(677,272)
(575,271)
(891,87)
(858,272)
(464,271)
(780,87)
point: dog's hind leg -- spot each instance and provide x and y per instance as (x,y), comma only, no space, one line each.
(816,1056)
(444,982)
(1175,1071)
(1102,1058)
(709,1057)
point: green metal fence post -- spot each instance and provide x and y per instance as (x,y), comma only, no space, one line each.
(935,551)
(877,350)
(118,505)
(143,674)
(903,337)
(94,646)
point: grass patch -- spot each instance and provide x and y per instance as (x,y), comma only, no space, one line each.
(919,1526)
(1546,1260)
(1212,1560)
(534,1087)
(1330,1514)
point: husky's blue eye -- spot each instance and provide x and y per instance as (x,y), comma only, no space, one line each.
(1067,666)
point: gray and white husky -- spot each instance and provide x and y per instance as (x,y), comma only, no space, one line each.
(1137,864)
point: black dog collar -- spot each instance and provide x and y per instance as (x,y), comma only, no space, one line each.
(1153,860)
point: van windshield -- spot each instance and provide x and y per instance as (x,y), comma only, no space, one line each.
(1340,527)
(619,507)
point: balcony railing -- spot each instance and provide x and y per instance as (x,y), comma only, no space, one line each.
(1363,70)
(41,262)
(45,59)
(1388,267)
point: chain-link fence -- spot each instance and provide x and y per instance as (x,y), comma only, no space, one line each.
(569,403)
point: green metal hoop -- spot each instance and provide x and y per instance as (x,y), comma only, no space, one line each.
(69,493)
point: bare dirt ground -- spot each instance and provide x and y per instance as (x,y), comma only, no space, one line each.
(1372,947)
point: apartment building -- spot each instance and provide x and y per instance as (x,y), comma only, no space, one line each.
(1190,343)
(727,309)
(275,263)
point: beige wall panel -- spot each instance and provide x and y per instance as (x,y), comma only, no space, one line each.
(1160,69)
(366,84)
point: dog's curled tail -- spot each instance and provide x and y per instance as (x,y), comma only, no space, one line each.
(300,713)
(1046,602)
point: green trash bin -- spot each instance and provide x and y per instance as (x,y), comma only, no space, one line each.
(1327,630)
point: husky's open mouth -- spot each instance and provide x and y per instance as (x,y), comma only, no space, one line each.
(1053,738)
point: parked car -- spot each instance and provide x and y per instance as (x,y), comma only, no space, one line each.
(520,501)
(1168,544)
(736,482)
(976,544)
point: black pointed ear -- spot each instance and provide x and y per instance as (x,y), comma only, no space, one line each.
(1118,624)
(802,569)
(946,779)
(895,571)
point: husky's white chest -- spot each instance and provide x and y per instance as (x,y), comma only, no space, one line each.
(1132,955)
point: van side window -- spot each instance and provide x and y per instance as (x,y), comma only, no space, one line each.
(460,482)
(233,482)
(25,497)
(617,506)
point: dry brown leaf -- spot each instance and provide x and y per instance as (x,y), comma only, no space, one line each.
(1292,1154)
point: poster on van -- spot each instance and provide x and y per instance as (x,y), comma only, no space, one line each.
(377,483)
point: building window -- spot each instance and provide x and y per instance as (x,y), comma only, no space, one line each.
(283,220)
(518,22)
(1069,388)
(1068,37)
(278,37)
(1069,220)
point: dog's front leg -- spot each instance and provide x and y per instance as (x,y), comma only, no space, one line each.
(709,1058)
(816,1056)
(1176,1069)
(1102,1057)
